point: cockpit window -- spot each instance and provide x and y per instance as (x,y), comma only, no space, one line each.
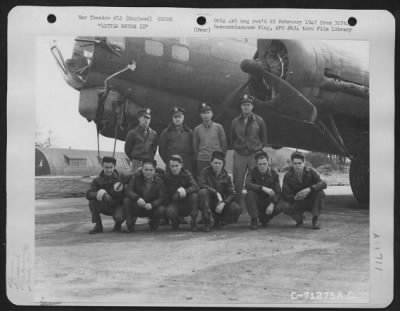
(180,53)
(82,56)
(154,48)
(117,44)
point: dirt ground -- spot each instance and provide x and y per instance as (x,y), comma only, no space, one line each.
(233,265)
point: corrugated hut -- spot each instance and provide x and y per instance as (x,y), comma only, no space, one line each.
(74,162)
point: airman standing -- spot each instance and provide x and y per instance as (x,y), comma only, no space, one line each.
(248,136)
(141,142)
(208,137)
(177,138)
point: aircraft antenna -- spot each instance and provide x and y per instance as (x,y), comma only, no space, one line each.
(115,137)
(98,144)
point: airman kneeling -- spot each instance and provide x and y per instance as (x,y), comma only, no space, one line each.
(144,196)
(105,196)
(302,191)
(182,193)
(217,193)
(263,191)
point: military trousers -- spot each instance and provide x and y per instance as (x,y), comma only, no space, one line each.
(200,165)
(135,164)
(313,203)
(187,206)
(114,209)
(257,204)
(188,164)
(208,202)
(133,211)
(241,164)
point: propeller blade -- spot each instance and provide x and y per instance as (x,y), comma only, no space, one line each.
(291,102)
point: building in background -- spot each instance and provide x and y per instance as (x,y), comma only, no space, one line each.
(73,162)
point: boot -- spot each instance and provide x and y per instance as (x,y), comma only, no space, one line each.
(154,223)
(193,225)
(117,227)
(130,227)
(299,220)
(217,223)
(175,224)
(253,224)
(299,223)
(315,224)
(206,227)
(98,228)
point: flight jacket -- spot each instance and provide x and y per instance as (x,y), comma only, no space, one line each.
(221,183)
(310,179)
(136,189)
(139,146)
(255,181)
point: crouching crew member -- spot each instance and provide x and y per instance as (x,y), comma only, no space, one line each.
(263,191)
(302,190)
(144,196)
(217,193)
(182,193)
(177,138)
(141,142)
(105,196)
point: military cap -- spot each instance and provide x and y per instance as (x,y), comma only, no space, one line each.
(144,112)
(109,160)
(176,110)
(205,107)
(218,155)
(247,99)
(149,161)
(176,157)
(261,154)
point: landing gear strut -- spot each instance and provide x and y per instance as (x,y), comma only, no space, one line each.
(359,178)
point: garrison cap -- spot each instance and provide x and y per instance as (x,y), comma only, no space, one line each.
(149,161)
(144,112)
(176,110)
(205,107)
(247,99)
(109,160)
(218,155)
(261,154)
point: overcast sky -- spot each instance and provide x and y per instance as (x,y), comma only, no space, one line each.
(57,103)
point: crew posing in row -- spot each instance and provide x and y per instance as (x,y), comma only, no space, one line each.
(248,135)
(177,194)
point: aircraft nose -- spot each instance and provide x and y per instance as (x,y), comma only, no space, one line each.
(251,67)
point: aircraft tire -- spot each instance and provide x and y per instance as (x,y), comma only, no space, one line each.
(359,179)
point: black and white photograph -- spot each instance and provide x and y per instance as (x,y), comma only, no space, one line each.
(201,171)
(263,149)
